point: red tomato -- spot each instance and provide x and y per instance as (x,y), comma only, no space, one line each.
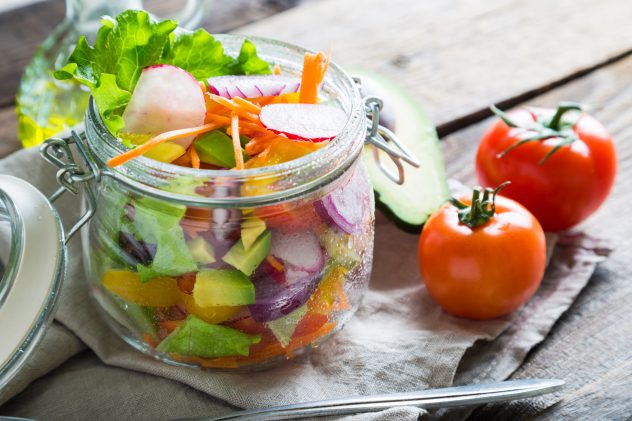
(569,185)
(486,271)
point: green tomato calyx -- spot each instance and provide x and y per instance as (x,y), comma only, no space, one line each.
(544,128)
(482,208)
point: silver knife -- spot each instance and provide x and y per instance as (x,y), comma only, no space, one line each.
(474,394)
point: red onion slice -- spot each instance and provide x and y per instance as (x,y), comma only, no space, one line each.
(252,86)
(346,206)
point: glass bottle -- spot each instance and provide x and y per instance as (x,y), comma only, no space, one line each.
(46,106)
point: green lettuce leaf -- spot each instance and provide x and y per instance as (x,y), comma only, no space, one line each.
(157,222)
(248,62)
(111,101)
(197,338)
(125,45)
(199,54)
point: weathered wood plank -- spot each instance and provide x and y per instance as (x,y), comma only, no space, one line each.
(459,56)
(8,128)
(591,345)
(23,30)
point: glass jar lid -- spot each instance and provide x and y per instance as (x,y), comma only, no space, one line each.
(32,254)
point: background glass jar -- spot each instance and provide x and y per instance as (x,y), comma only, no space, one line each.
(232,269)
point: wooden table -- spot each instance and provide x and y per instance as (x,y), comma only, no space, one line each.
(458,57)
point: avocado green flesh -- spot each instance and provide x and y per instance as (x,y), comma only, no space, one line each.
(216,148)
(201,251)
(197,338)
(284,327)
(215,287)
(425,188)
(247,260)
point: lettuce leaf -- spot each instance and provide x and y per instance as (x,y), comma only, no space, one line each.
(158,222)
(248,62)
(125,45)
(199,54)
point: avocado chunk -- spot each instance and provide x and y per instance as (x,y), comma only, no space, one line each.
(216,148)
(425,188)
(197,338)
(201,251)
(283,328)
(215,287)
(251,229)
(247,260)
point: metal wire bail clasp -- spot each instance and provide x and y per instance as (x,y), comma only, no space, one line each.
(58,152)
(381,138)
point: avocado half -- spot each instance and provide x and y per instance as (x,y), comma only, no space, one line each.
(425,188)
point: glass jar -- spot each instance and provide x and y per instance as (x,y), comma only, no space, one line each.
(233,269)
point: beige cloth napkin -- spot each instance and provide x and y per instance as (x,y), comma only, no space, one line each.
(399,340)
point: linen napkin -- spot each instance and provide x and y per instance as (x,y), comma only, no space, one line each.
(399,340)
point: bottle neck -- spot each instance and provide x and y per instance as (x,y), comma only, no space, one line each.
(85,15)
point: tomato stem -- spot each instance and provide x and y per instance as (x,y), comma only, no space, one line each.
(482,209)
(563,107)
(542,128)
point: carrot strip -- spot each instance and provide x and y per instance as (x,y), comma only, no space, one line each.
(276,70)
(343,300)
(195,158)
(258,144)
(239,157)
(257,127)
(183,161)
(157,140)
(314,68)
(274,262)
(247,115)
(150,340)
(203,86)
(219,119)
(264,100)
(170,325)
(247,105)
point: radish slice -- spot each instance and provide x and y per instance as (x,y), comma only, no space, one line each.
(312,122)
(165,98)
(299,251)
(252,86)
(346,207)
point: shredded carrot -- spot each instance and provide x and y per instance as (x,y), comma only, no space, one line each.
(203,86)
(241,110)
(183,161)
(170,325)
(274,262)
(247,105)
(195,158)
(343,300)
(150,340)
(276,70)
(259,143)
(219,119)
(264,100)
(314,69)
(247,115)
(231,105)
(157,140)
(239,158)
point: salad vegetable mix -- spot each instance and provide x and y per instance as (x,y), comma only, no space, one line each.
(219,287)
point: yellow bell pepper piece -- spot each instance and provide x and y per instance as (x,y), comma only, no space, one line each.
(159,292)
(212,315)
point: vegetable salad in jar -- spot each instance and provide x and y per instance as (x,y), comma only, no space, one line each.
(215,280)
